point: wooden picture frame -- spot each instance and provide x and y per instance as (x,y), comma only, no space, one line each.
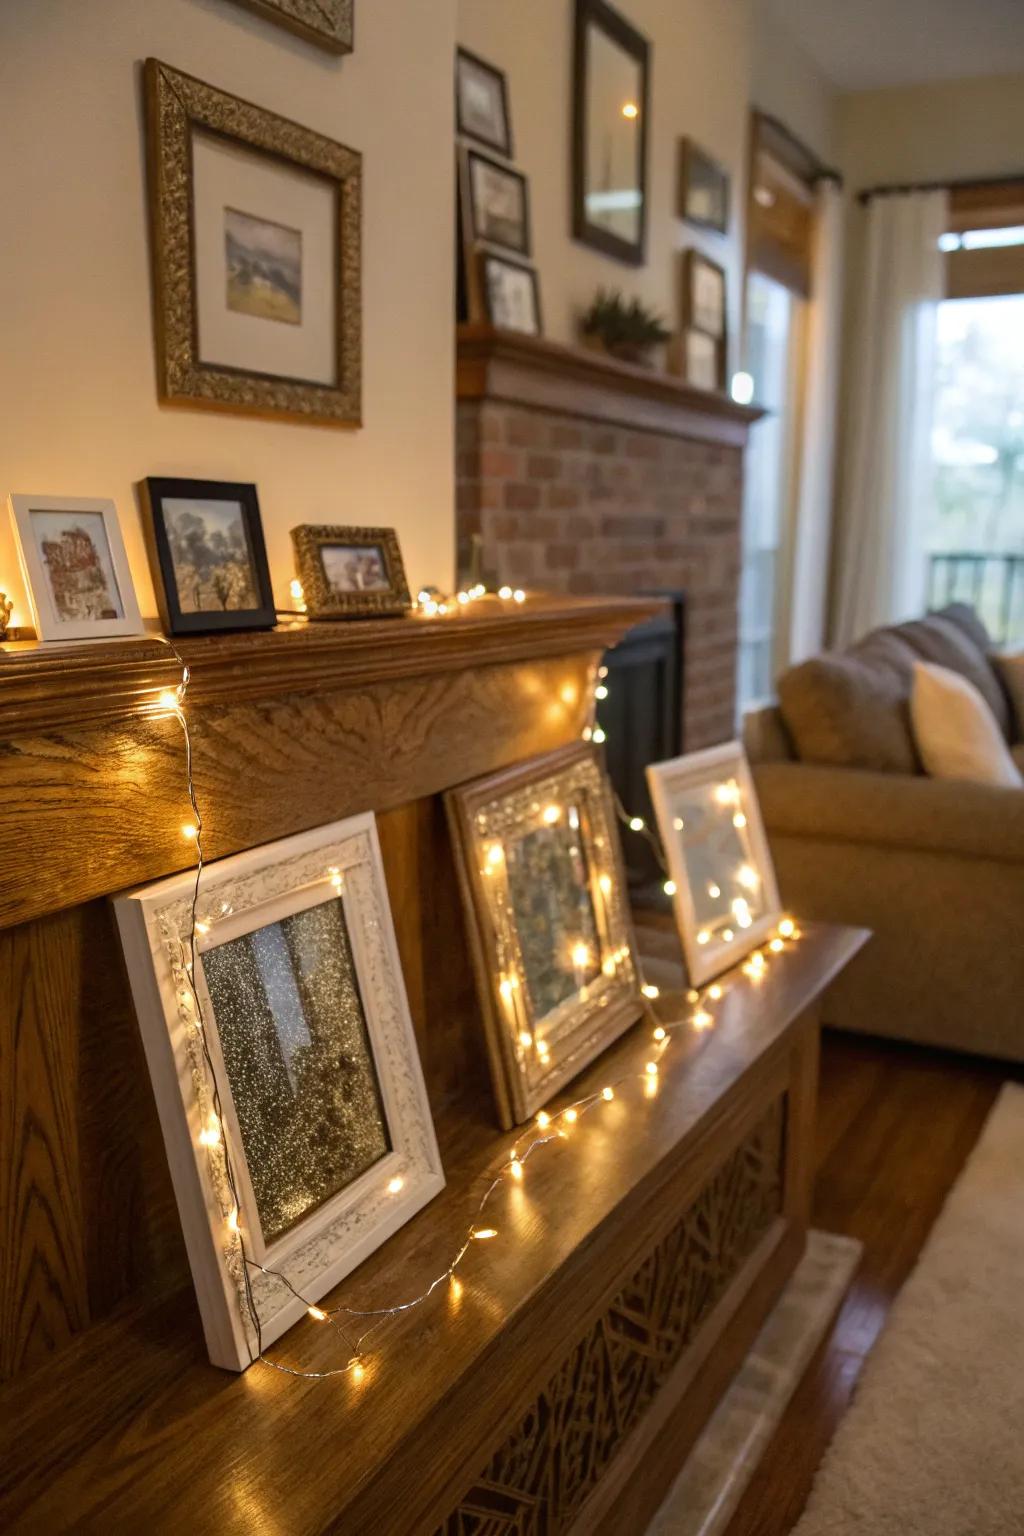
(177,554)
(708,816)
(313,1216)
(547,1015)
(703,277)
(324,597)
(327,23)
(470,70)
(482,227)
(598,16)
(703,189)
(185,117)
(77,539)
(510,316)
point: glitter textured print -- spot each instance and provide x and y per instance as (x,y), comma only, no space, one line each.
(293,1034)
(549,891)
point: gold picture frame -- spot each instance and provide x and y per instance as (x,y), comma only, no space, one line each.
(184,114)
(544,892)
(328,23)
(364,576)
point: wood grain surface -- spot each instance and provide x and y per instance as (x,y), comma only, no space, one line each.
(136,1431)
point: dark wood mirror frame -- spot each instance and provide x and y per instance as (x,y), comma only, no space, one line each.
(597,13)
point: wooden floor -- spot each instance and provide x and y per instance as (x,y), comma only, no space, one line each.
(895,1125)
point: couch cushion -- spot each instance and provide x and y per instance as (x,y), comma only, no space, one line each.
(956,733)
(852,709)
(1011,672)
(956,639)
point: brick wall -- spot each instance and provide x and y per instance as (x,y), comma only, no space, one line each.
(584,507)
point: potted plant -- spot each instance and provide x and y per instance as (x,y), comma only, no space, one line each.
(628,331)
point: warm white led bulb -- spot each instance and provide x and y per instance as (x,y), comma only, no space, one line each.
(636,823)
(650,990)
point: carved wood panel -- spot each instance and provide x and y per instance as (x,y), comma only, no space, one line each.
(537,1480)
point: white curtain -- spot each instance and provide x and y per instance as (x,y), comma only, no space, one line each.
(886,480)
(813,513)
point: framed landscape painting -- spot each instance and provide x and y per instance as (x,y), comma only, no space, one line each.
(285,1072)
(350,572)
(205,542)
(498,204)
(511,294)
(256,250)
(75,568)
(544,893)
(481,103)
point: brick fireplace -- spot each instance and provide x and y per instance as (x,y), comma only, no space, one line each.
(581,474)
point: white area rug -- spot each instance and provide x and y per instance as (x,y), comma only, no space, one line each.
(718,1469)
(933,1444)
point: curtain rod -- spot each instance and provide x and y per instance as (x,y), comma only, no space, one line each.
(964,185)
(811,169)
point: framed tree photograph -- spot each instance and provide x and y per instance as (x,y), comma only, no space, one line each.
(350,573)
(703,189)
(327,23)
(206,552)
(285,1072)
(511,294)
(256,250)
(709,821)
(540,869)
(75,568)
(481,103)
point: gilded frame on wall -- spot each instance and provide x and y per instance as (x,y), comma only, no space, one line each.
(323,598)
(538,852)
(328,23)
(302,1040)
(178,108)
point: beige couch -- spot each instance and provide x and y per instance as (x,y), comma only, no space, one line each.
(860,835)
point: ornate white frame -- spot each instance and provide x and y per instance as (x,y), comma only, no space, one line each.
(729,762)
(48,624)
(237,895)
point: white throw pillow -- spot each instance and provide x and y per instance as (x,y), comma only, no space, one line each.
(956,733)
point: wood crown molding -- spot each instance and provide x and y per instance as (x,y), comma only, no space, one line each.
(575,381)
(53,687)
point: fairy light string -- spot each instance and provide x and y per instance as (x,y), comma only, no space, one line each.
(355,1325)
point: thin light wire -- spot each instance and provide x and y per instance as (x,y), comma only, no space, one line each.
(381,1315)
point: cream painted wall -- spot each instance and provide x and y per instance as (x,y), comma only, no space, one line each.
(78,409)
(710,60)
(947,130)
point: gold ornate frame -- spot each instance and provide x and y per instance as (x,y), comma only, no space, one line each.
(328,23)
(532,1058)
(178,105)
(321,602)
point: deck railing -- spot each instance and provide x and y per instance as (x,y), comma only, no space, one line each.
(993,584)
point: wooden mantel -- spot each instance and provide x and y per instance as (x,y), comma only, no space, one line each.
(576,381)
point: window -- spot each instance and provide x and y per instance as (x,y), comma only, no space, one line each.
(975,537)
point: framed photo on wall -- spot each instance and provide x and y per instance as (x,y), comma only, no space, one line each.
(481,103)
(709,820)
(255,234)
(511,294)
(350,572)
(704,321)
(703,189)
(297,1025)
(497,203)
(75,568)
(546,906)
(702,359)
(206,551)
(328,23)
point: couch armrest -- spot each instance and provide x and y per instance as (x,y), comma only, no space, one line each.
(895,810)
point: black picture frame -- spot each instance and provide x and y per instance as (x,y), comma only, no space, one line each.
(695,165)
(600,15)
(502,146)
(474,233)
(491,258)
(153,493)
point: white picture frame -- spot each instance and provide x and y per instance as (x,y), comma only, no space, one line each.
(96,521)
(241,895)
(715,938)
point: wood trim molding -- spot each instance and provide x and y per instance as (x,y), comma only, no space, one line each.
(574,381)
(54,687)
